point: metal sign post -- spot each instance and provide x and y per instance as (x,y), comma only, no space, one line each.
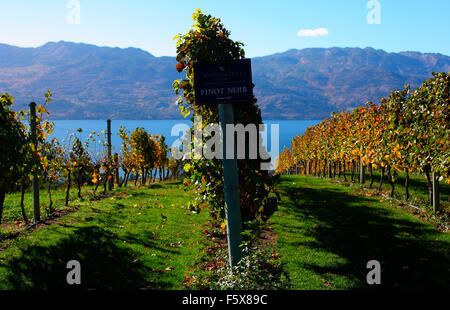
(231,189)
(224,84)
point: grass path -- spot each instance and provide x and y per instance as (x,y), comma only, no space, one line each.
(327,234)
(139,238)
(144,237)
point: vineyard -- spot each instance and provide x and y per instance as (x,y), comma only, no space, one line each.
(69,174)
(141,219)
(407,133)
(32,154)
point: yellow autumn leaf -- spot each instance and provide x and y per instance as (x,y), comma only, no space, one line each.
(223,226)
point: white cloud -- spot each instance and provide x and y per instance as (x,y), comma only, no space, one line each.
(313,32)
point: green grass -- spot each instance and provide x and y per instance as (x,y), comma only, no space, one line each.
(12,211)
(327,234)
(122,242)
(417,187)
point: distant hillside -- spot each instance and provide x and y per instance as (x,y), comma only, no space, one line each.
(101,82)
(313,82)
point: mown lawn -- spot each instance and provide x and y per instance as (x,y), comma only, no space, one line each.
(12,215)
(141,237)
(145,237)
(417,187)
(327,233)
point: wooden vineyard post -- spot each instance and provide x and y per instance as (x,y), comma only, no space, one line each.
(231,189)
(116,169)
(35,182)
(435,177)
(362,175)
(110,180)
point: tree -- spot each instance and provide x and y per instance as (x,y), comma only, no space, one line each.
(144,149)
(428,120)
(208,41)
(407,132)
(53,170)
(127,157)
(162,160)
(81,162)
(13,146)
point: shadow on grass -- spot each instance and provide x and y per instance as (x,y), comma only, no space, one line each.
(409,253)
(104,264)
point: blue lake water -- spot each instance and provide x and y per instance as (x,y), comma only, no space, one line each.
(287,130)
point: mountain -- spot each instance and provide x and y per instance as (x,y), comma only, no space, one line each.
(311,83)
(91,82)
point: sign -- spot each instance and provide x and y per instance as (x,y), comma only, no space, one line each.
(219,83)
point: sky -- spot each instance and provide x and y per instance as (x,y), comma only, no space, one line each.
(265,26)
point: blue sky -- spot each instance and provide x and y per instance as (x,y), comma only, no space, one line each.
(266,27)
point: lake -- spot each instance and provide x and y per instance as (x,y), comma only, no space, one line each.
(287,130)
